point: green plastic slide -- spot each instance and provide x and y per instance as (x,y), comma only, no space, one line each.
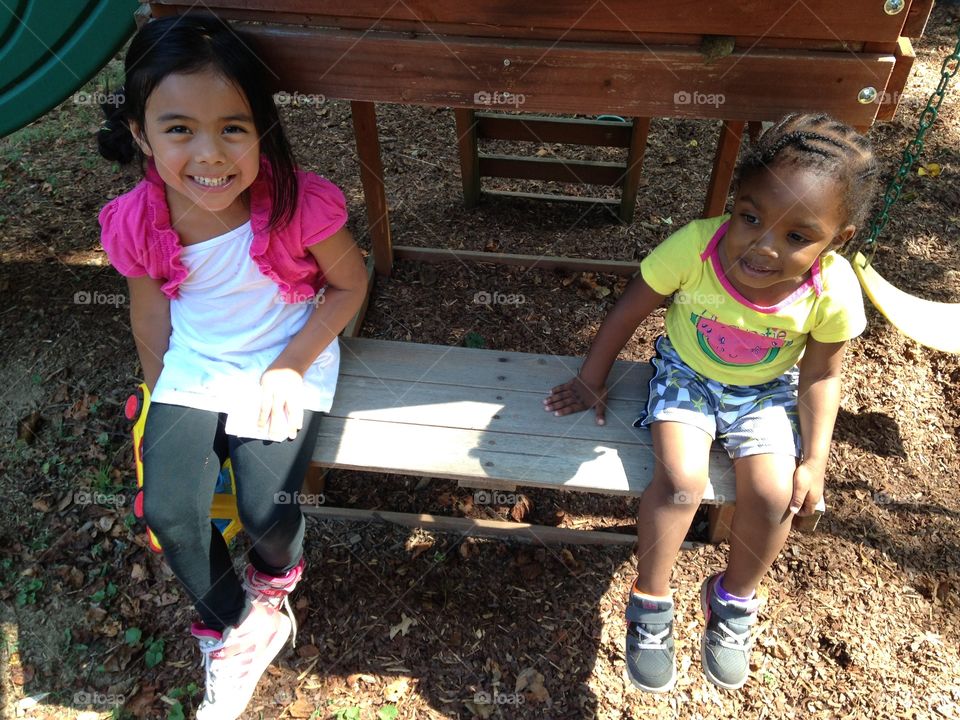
(50,48)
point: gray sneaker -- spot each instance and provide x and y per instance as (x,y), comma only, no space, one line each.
(726,643)
(651,660)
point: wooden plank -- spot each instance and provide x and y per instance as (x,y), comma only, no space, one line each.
(492,369)
(890,99)
(469,162)
(414,28)
(371,176)
(543,129)
(495,410)
(631,181)
(566,77)
(724,164)
(917,17)
(470,527)
(458,454)
(814,19)
(544,262)
(590,172)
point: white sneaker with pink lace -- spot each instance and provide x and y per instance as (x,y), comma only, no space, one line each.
(271,592)
(235,659)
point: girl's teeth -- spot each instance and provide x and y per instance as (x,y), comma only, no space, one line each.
(211,182)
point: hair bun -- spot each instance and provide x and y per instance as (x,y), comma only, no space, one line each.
(114,139)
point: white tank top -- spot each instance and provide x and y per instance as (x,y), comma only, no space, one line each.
(228,325)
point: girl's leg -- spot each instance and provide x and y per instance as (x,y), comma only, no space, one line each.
(669,503)
(269,480)
(182,450)
(761,521)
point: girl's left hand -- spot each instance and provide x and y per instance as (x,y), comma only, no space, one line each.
(281,408)
(807,488)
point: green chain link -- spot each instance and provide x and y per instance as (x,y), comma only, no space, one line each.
(948,70)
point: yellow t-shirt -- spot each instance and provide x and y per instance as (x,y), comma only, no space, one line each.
(724,336)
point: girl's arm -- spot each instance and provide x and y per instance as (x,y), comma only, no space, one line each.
(150,322)
(342,264)
(818,400)
(588,388)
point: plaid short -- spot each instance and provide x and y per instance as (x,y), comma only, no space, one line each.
(746,419)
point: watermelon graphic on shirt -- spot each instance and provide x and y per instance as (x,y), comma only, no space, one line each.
(734,346)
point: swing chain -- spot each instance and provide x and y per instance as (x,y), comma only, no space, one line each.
(949,68)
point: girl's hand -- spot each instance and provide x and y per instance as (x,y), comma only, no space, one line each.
(281,411)
(577,395)
(807,487)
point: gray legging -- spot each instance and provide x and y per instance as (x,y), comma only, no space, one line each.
(183,449)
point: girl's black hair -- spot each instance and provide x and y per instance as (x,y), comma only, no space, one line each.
(825,145)
(193,43)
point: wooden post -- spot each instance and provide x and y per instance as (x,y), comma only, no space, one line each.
(631,181)
(719,519)
(371,175)
(467,138)
(724,162)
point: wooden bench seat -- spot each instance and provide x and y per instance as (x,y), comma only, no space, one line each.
(477,416)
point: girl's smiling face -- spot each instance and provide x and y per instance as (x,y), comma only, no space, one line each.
(199,130)
(784,218)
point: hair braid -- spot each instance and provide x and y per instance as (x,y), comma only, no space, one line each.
(824,145)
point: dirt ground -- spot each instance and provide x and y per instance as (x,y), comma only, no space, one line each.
(861,618)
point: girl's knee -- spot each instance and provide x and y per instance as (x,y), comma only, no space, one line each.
(274,520)
(170,519)
(682,484)
(770,497)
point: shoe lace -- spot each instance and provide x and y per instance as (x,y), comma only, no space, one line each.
(652,641)
(730,638)
(220,674)
(277,597)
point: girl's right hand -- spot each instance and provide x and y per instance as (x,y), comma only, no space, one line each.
(577,395)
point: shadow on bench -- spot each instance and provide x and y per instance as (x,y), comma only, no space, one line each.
(476,416)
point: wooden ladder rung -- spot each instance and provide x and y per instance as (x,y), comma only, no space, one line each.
(583,172)
(606,202)
(545,129)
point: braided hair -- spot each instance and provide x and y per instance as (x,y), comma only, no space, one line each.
(820,143)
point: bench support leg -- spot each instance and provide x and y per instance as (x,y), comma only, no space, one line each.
(315,481)
(719,520)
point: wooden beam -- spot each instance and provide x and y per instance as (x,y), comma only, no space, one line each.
(469,162)
(724,163)
(890,99)
(469,527)
(917,17)
(631,180)
(371,176)
(566,77)
(618,267)
(813,19)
